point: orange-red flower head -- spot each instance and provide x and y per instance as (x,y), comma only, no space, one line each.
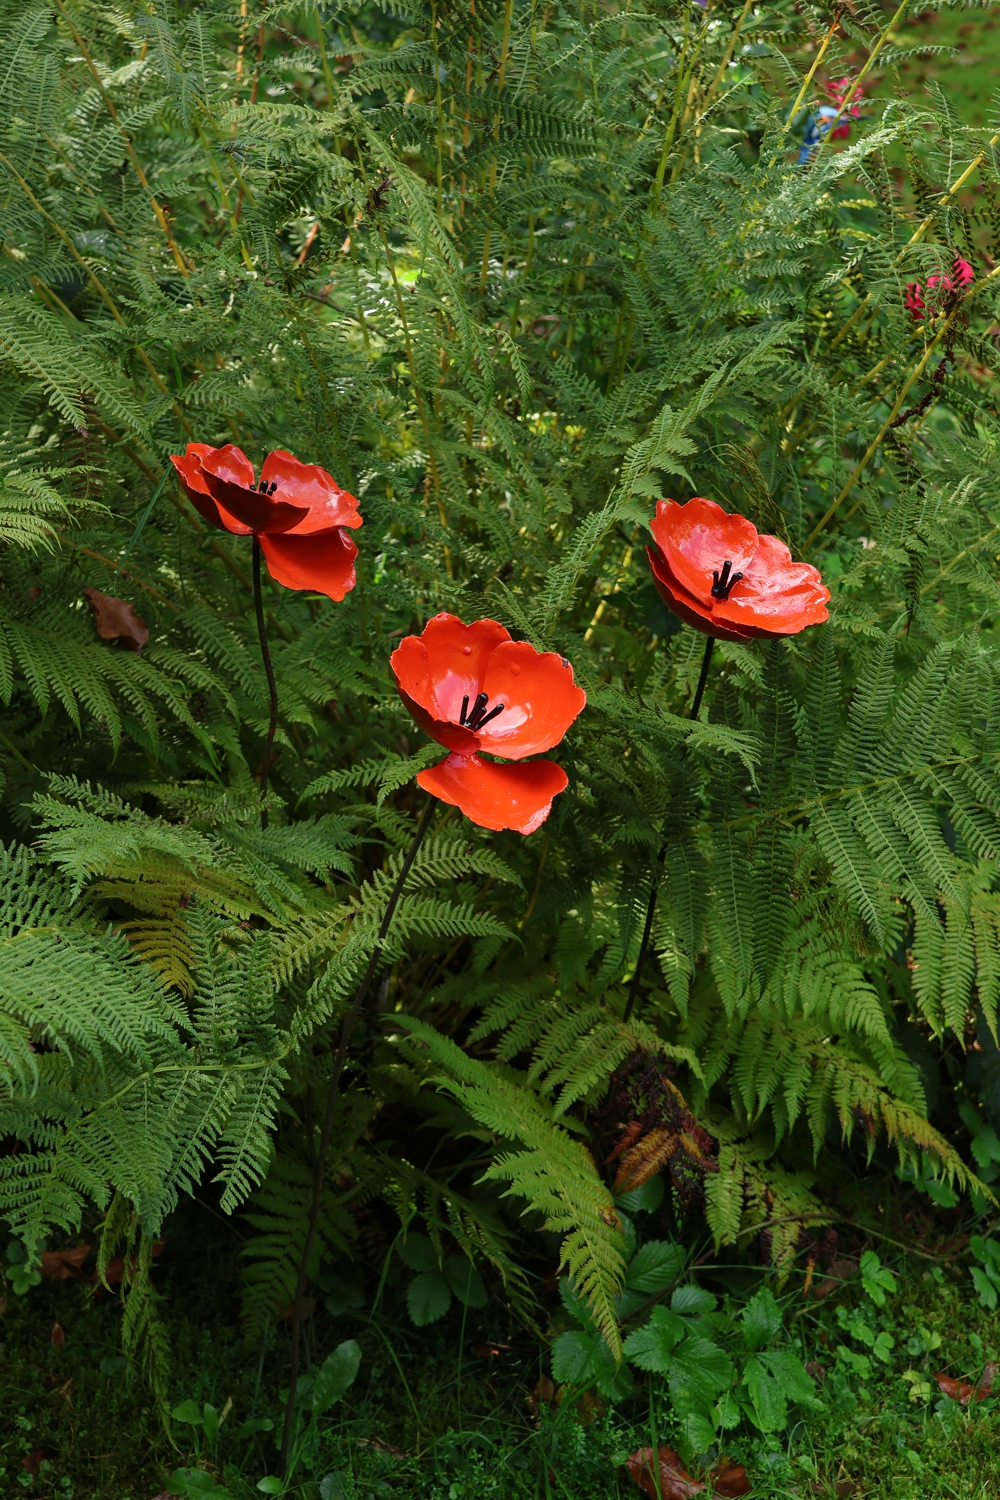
(719,574)
(472,688)
(298,511)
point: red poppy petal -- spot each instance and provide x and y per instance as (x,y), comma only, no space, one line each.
(696,539)
(540,700)
(776,596)
(192,479)
(451,736)
(323,562)
(229,477)
(684,606)
(307,484)
(497,796)
(229,464)
(446,663)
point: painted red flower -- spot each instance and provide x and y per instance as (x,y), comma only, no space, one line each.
(720,575)
(298,511)
(913,300)
(473,689)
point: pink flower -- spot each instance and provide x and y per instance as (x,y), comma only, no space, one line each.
(913,301)
(838,91)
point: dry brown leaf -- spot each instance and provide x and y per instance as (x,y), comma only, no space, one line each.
(730,1480)
(61,1265)
(58,1335)
(837,1272)
(116,620)
(675,1482)
(962,1392)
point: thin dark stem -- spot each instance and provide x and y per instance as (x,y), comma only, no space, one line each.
(271,687)
(699,693)
(331,1101)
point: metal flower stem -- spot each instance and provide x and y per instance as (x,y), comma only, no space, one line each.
(327,1127)
(651,907)
(271,687)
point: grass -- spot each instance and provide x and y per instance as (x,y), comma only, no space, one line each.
(422,1423)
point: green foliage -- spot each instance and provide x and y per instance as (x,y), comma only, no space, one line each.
(510,276)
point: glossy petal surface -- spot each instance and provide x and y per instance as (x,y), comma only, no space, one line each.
(540,700)
(697,538)
(686,608)
(497,796)
(446,664)
(310,486)
(323,562)
(194,485)
(451,736)
(777,596)
(230,478)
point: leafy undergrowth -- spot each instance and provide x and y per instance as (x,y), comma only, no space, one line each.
(467,1407)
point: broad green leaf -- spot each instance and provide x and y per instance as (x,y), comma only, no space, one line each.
(650,1348)
(578,1307)
(761,1319)
(211,1420)
(465,1281)
(690,1301)
(417,1252)
(574,1357)
(791,1374)
(428,1297)
(769,1403)
(336,1374)
(189,1412)
(654,1267)
(699,1370)
(875,1279)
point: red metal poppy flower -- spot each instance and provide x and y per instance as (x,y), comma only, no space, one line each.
(472,688)
(720,575)
(298,511)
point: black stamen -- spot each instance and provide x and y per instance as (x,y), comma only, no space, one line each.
(274,486)
(465,710)
(491,715)
(477,711)
(723,586)
(262,486)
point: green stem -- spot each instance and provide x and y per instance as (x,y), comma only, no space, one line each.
(651,905)
(271,686)
(331,1101)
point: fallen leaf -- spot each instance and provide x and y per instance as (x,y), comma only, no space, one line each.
(816,1370)
(837,1272)
(116,620)
(962,1392)
(115,1271)
(488,1351)
(383,1447)
(31,1462)
(58,1335)
(844,1488)
(958,1390)
(730,1480)
(675,1482)
(61,1265)
(544,1394)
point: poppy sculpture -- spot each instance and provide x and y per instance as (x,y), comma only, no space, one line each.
(475,691)
(296,514)
(297,511)
(719,574)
